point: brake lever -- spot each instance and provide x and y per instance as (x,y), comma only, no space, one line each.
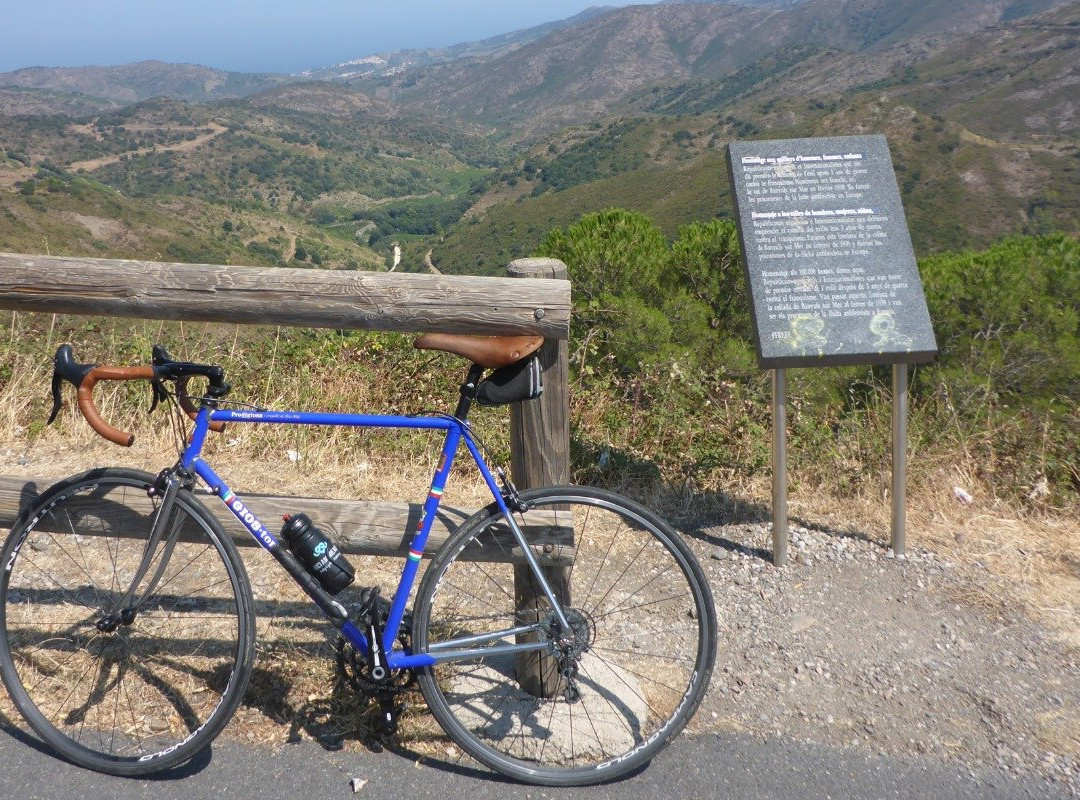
(65,368)
(57,397)
(158,393)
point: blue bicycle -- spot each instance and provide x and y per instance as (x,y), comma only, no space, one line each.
(560,636)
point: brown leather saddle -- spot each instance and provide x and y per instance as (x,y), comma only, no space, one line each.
(491,352)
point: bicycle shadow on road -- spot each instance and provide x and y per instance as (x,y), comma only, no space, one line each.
(469,769)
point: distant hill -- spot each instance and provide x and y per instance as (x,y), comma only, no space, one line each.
(562,72)
(130,83)
(577,73)
(398,62)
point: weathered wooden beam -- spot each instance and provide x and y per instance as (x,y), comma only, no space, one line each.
(358,527)
(284,296)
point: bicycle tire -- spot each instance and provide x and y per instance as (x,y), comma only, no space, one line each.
(154,691)
(643,640)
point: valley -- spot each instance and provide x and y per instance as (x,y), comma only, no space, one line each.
(476,152)
(601,140)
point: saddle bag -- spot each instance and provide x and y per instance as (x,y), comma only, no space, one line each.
(512,383)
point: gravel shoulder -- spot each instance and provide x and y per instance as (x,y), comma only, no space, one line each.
(852,647)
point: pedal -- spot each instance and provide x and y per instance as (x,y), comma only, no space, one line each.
(389,711)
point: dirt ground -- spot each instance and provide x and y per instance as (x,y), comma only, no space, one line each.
(961,650)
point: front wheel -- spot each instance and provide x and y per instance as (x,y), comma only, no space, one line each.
(573,704)
(123,682)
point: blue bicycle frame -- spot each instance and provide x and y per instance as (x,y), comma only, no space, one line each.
(457,431)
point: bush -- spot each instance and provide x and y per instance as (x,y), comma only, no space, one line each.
(639,301)
(1008,319)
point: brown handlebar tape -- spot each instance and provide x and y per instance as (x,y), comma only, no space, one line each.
(85,397)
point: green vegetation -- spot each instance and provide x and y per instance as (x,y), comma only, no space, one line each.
(661,350)
(424,217)
(640,303)
(598,157)
(1009,322)
(959,190)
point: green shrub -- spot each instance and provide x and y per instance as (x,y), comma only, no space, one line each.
(1008,319)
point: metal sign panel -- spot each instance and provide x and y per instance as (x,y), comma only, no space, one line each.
(828,257)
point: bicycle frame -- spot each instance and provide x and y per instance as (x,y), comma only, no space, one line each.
(456,432)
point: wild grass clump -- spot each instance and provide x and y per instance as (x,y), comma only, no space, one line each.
(279,368)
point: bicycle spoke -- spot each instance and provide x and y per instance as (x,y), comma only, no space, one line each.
(110,696)
(628,572)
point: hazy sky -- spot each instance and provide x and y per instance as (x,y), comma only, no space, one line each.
(253,35)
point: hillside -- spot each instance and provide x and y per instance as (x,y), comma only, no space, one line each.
(578,73)
(129,83)
(1033,68)
(65,214)
(319,172)
(19,101)
(973,163)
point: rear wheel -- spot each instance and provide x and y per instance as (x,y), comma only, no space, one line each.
(130,688)
(604,694)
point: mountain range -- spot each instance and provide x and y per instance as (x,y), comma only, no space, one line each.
(470,154)
(558,73)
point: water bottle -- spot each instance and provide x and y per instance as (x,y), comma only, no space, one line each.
(319,555)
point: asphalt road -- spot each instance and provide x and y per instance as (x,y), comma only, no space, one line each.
(710,766)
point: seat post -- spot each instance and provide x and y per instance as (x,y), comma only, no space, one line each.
(468,391)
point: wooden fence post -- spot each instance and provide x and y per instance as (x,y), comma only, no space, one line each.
(540,456)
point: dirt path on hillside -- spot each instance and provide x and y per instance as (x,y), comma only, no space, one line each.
(977,138)
(431,264)
(96,163)
(290,251)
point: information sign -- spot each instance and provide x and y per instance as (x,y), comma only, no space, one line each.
(828,257)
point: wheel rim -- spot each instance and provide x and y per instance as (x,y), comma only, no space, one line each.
(629,674)
(137,692)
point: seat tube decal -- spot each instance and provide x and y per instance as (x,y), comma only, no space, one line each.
(435,493)
(235,504)
(249,520)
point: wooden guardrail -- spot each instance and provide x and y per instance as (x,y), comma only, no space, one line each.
(359,527)
(534,298)
(284,296)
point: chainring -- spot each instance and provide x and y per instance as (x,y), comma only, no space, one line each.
(353,666)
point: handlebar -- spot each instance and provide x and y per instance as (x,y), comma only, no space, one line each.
(85,376)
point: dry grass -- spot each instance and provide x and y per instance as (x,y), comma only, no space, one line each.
(1019,557)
